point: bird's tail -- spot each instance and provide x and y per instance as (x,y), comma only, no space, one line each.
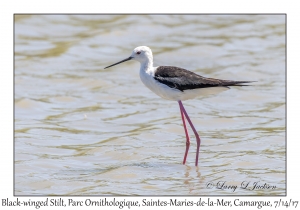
(235,83)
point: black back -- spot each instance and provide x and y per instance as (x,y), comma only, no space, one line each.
(182,79)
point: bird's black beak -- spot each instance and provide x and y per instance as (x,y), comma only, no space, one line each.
(127,59)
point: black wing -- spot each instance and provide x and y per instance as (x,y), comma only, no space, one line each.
(182,79)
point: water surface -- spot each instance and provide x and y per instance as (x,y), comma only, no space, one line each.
(83,130)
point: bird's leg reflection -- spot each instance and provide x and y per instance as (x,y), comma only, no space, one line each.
(190,179)
(187,173)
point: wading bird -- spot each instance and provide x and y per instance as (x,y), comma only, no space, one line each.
(177,84)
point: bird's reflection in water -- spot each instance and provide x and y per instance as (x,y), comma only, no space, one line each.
(190,180)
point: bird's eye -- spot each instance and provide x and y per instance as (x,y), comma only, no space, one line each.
(138,52)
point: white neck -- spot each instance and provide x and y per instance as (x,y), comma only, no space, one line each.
(147,66)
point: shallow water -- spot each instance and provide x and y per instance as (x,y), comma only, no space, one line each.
(83,130)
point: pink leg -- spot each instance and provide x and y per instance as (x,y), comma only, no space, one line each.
(186,134)
(193,128)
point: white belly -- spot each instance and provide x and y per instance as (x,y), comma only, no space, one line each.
(173,94)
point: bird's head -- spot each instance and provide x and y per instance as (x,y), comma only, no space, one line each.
(141,54)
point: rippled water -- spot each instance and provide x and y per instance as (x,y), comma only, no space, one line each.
(83,130)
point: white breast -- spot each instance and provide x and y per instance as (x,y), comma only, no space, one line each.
(161,90)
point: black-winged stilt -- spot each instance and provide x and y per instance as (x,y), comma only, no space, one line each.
(177,84)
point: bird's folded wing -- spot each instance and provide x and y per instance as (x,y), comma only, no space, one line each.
(183,79)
